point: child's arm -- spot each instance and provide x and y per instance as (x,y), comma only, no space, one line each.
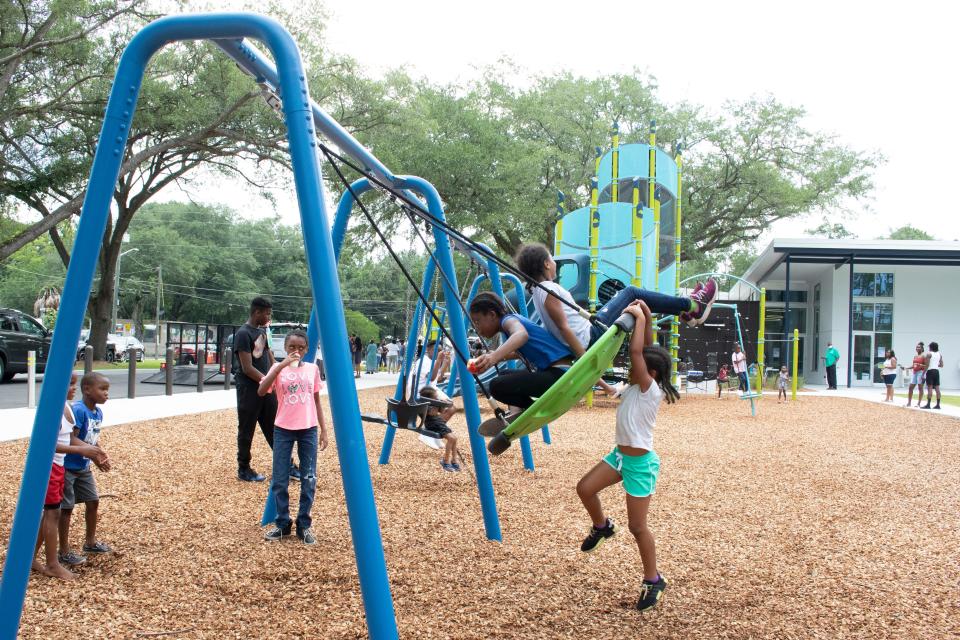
(638,366)
(322,440)
(79,447)
(552,306)
(266,383)
(518,338)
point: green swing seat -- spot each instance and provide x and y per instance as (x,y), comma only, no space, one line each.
(569,389)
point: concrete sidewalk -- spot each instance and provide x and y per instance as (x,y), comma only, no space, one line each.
(876,394)
(18,423)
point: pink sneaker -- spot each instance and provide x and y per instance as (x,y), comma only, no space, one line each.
(705,297)
(685,317)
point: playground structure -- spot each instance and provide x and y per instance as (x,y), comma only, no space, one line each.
(304,120)
(631,228)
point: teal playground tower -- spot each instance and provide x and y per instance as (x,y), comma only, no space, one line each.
(631,229)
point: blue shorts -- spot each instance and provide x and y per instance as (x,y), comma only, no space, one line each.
(916,377)
(639,473)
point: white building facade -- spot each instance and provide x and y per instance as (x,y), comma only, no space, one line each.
(903,292)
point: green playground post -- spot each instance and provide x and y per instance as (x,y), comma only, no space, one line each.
(675,325)
(760,334)
(796,362)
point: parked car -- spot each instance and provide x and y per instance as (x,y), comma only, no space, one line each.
(117,346)
(20,333)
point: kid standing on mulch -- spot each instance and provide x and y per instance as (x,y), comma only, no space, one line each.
(298,388)
(782,381)
(66,443)
(633,460)
(79,483)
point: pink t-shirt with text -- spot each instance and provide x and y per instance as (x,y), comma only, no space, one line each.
(296,408)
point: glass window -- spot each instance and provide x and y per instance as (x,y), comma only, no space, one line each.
(6,324)
(816,293)
(884,285)
(31,328)
(780,295)
(884,317)
(864,285)
(775,320)
(863,316)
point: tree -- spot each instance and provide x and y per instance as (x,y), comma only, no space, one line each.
(834,231)
(909,232)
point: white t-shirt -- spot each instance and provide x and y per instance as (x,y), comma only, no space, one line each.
(637,415)
(739,362)
(63,436)
(424,378)
(579,325)
(935,359)
(393,349)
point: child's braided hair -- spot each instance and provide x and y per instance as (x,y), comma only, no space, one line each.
(657,360)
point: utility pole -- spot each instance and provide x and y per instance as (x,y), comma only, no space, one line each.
(116,289)
(157,314)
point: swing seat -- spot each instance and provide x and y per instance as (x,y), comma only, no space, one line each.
(367,417)
(569,389)
(407,415)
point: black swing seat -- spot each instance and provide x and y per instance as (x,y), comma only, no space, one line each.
(406,415)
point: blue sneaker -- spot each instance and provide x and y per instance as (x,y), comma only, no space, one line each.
(454,467)
(445,466)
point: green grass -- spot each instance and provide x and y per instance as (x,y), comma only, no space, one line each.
(101,365)
(953,401)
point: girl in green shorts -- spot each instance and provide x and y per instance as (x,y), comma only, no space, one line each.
(633,460)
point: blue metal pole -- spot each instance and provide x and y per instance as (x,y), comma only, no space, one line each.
(365,528)
(471,408)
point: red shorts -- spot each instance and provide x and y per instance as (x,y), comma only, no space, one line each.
(54,488)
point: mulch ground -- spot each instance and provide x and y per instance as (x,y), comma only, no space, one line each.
(824,518)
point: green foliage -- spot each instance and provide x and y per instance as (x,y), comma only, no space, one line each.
(361,325)
(909,232)
(834,231)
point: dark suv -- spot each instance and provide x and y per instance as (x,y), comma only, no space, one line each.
(19,333)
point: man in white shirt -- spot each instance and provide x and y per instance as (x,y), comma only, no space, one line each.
(393,351)
(739,360)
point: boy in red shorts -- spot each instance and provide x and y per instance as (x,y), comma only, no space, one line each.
(66,443)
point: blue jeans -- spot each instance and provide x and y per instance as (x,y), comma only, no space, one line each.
(742,377)
(658,302)
(283,440)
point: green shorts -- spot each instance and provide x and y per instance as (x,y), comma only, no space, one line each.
(639,473)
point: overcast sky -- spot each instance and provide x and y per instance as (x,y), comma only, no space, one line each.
(878,76)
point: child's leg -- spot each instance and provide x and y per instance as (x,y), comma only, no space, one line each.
(659,303)
(450,448)
(307,453)
(63,526)
(49,534)
(637,518)
(93,508)
(283,440)
(596,480)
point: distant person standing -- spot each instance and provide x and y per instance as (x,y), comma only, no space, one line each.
(916,375)
(393,351)
(739,360)
(934,361)
(253,360)
(889,373)
(356,353)
(373,356)
(830,358)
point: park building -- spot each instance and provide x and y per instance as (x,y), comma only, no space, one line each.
(864,296)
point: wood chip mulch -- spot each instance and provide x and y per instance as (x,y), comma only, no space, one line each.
(823,518)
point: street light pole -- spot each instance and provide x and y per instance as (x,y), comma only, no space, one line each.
(116,289)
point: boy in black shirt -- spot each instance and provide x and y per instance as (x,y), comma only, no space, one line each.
(436,423)
(254,359)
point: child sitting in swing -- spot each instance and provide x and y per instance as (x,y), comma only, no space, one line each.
(436,421)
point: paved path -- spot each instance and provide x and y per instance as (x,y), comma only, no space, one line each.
(876,394)
(18,422)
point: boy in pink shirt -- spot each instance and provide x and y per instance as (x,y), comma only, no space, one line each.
(299,415)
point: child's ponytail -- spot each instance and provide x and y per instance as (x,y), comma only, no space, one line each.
(657,360)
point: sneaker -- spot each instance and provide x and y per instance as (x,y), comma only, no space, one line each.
(97,547)
(456,467)
(306,536)
(705,298)
(937,407)
(492,427)
(650,593)
(71,559)
(295,473)
(685,317)
(275,533)
(249,475)
(926,406)
(597,536)
(445,466)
